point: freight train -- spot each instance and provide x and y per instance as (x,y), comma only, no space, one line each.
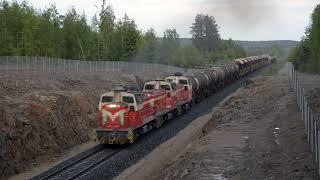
(123,114)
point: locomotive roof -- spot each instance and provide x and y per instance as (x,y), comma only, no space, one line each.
(135,92)
(159,80)
(131,92)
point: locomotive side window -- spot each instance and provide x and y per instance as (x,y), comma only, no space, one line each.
(107,99)
(165,87)
(149,86)
(127,99)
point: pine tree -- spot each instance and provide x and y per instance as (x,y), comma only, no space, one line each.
(170,44)
(197,31)
(211,33)
(96,38)
(205,33)
(129,37)
(306,56)
(149,45)
(107,26)
(314,39)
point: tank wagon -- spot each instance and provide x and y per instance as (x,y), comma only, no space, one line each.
(124,115)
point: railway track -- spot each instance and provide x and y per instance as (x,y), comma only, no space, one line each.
(79,165)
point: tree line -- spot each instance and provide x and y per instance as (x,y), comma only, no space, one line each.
(306,56)
(26,31)
(207,45)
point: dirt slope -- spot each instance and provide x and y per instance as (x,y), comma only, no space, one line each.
(43,114)
(256,134)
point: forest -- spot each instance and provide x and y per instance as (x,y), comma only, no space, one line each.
(26,31)
(306,56)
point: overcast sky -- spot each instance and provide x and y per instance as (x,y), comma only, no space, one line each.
(238,19)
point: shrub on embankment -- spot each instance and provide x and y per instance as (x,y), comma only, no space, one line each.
(306,56)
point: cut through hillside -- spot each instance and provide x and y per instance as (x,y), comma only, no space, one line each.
(45,114)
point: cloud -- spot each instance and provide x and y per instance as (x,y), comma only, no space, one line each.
(261,20)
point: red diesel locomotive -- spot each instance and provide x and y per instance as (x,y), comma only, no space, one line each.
(123,115)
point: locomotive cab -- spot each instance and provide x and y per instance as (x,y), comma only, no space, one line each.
(184,87)
(117,106)
(158,84)
(169,88)
(180,80)
(122,112)
(116,99)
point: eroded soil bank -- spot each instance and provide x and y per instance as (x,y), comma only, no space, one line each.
(44,114)
(256,134)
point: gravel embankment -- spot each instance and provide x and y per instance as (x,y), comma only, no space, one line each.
(257,134)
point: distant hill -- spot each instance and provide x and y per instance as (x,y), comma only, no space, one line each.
(279,48)
(252,44)
(286,44)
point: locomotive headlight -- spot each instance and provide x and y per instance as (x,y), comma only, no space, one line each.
(112,105)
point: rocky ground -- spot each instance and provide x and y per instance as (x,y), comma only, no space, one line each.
(256,134)
(44,114)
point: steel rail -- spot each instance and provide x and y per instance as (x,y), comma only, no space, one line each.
(101,147)
(87,169)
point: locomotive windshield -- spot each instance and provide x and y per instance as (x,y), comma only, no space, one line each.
(149,87)
(183,81)
(127,99)
(107,99)
(165,87)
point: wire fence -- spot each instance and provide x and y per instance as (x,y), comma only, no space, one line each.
(309,117)
(26,63)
